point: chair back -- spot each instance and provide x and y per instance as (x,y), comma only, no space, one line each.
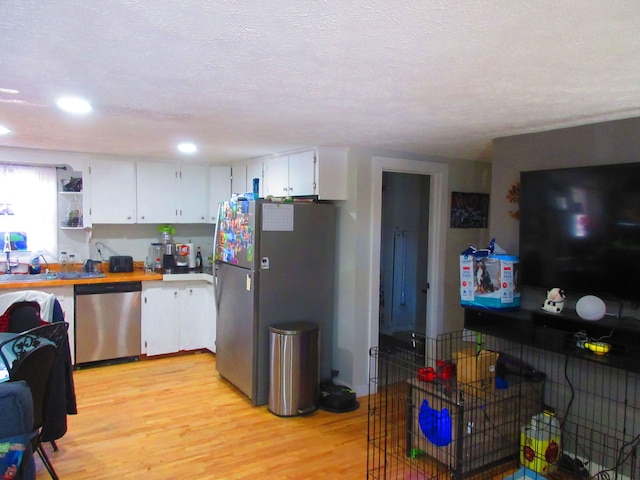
(34,367)
(24,316)
(56,332)
(22,343)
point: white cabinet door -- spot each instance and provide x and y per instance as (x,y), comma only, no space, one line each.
(219,189)
(276,176)
(113,191)
(194,205)
(331,173)
(302,174)
(197,316)
(160,320)
(239,177)
(156,192)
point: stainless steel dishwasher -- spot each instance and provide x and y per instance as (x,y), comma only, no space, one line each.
(107,321)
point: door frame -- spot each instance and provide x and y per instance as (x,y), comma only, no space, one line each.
(438,207)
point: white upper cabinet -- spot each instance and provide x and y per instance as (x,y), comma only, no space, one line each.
(276,176)
(156,192)
(112,187)
(320,172)
(172,193)
(239,177)
(219,189)
(302,174)
(193,185)
(331,173)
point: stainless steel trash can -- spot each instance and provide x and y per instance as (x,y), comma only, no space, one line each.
(294,381)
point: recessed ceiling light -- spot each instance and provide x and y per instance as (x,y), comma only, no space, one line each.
(4,130)
(74,105)
(187,147)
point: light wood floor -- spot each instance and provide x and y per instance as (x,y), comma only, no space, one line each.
(175,418)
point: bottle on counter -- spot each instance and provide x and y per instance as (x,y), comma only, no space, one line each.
(63,263)
(198,260)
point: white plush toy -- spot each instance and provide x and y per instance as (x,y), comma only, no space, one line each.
(555,300)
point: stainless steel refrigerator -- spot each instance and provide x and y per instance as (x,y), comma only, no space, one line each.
(274,263)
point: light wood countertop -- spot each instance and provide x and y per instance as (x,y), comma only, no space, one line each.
(137,275)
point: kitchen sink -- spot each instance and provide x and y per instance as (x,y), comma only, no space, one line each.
(39,277)
(25,277)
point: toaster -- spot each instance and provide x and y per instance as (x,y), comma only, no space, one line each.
(120,263)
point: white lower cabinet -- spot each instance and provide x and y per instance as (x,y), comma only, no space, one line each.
(177,316)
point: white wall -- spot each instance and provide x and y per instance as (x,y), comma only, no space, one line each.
(358,269)
(355,318)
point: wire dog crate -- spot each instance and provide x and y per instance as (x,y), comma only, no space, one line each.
(441,416)
(473,407)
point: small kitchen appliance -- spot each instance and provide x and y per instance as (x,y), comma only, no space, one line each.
(181,258)
(120,264)
(162,257)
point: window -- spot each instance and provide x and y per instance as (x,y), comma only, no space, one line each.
(28,209)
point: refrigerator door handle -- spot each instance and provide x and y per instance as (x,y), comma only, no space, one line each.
(216,239)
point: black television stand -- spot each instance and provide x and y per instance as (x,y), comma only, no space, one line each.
(557,332)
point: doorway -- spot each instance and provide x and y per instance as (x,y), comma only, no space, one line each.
(436,218)
(404,238)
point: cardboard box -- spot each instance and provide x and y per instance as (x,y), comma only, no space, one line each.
(476,371)
(489,281)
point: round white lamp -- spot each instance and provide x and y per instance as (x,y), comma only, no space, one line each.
(590,307)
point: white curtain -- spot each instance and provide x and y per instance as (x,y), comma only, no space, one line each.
(28,204)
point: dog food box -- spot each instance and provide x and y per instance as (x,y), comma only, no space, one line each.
(489,280)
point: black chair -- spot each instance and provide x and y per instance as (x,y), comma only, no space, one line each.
(25,316)
(30,357)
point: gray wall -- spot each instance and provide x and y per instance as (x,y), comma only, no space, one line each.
(595,144)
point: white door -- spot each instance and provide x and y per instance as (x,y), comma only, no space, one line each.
(156,192)
(194,205)
(113,191)
(196,316)
(276,176)
(160,320)
(219,189)
(302,178)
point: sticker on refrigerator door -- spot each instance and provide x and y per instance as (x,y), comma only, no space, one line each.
(265,263)
(248,283)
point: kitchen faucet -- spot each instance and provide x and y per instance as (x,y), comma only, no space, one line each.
(8,269)
(7,251)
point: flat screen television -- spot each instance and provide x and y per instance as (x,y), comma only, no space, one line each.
(580,230)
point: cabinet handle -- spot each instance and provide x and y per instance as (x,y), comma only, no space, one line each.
(142,217)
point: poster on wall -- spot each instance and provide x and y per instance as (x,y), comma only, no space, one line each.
(469,210)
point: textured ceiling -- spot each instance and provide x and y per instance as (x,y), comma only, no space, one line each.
(249,78)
